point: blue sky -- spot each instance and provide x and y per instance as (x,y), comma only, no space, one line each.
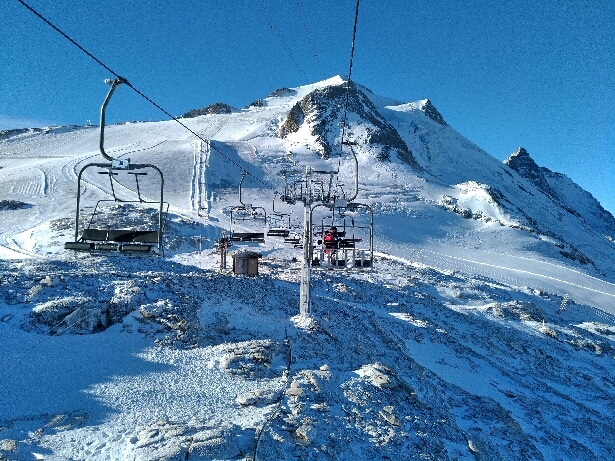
(537,74)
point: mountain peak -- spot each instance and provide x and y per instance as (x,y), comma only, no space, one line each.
(425,106)
(524,164)
(321,111)
(521,161)
(520,152)
(430,110)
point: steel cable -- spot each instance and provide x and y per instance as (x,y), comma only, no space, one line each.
(354,35)
(127,83)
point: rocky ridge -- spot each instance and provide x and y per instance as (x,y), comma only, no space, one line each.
(322,109)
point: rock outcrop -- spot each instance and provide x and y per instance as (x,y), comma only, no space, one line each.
(323,110)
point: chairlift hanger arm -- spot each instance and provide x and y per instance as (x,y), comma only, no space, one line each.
(243,175)
(356,169)
(277,212)
(114,84)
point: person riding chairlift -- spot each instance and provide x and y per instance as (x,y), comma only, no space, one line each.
(330,240)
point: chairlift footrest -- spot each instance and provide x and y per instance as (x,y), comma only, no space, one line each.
(107,246)
(128,247)
(78,246)
(278,232)
(248,237)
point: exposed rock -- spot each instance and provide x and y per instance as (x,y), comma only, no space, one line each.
(379,375)
(13,205)
(293,121)
(522,163)
(294,390)
(8,445)
(5,134)
(388,414)
(216,108)
(323,109)
(257,103)
(282,92)
(252,359)
(257,397)
(171,441)
(430,110)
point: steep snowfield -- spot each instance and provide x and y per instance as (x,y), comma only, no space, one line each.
(478,334)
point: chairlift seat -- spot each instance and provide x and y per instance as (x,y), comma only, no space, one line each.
(125,240)
(363,263)
(107,246)
(346,243)
(79,246)
(130,247)
(119,235)
(278,232)
(248,237)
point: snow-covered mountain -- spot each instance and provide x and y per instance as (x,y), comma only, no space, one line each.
(484,329)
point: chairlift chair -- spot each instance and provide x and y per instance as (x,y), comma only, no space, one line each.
(125,239)
(282,229)
(242,214)
(246,212)
(349,248)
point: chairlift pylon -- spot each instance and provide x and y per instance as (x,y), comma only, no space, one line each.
(127,240)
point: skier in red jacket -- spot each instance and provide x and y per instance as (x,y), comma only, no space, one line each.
(330,240)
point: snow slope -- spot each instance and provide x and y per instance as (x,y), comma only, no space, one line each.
(485,329)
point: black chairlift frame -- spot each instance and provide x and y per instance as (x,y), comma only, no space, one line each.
(279,231)
(346,250)
(246,236)
(117,239)
(125,239)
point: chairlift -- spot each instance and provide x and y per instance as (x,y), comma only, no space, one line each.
(246,213)
(281,230)
(290,190)
(349,244)
(126,239)
(347,248)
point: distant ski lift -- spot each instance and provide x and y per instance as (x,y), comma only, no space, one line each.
(291,193)
(283,228)
(353,245)
(127,237)
(247,215)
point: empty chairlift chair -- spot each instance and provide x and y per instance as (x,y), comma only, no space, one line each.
(123,238)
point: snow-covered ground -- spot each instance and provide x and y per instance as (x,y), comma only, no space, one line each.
(467,339)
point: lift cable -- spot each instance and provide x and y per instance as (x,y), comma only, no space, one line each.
(127,83)
(354,34)
(265,14)
(309,35)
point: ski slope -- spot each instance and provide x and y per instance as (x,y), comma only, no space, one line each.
(467,339)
